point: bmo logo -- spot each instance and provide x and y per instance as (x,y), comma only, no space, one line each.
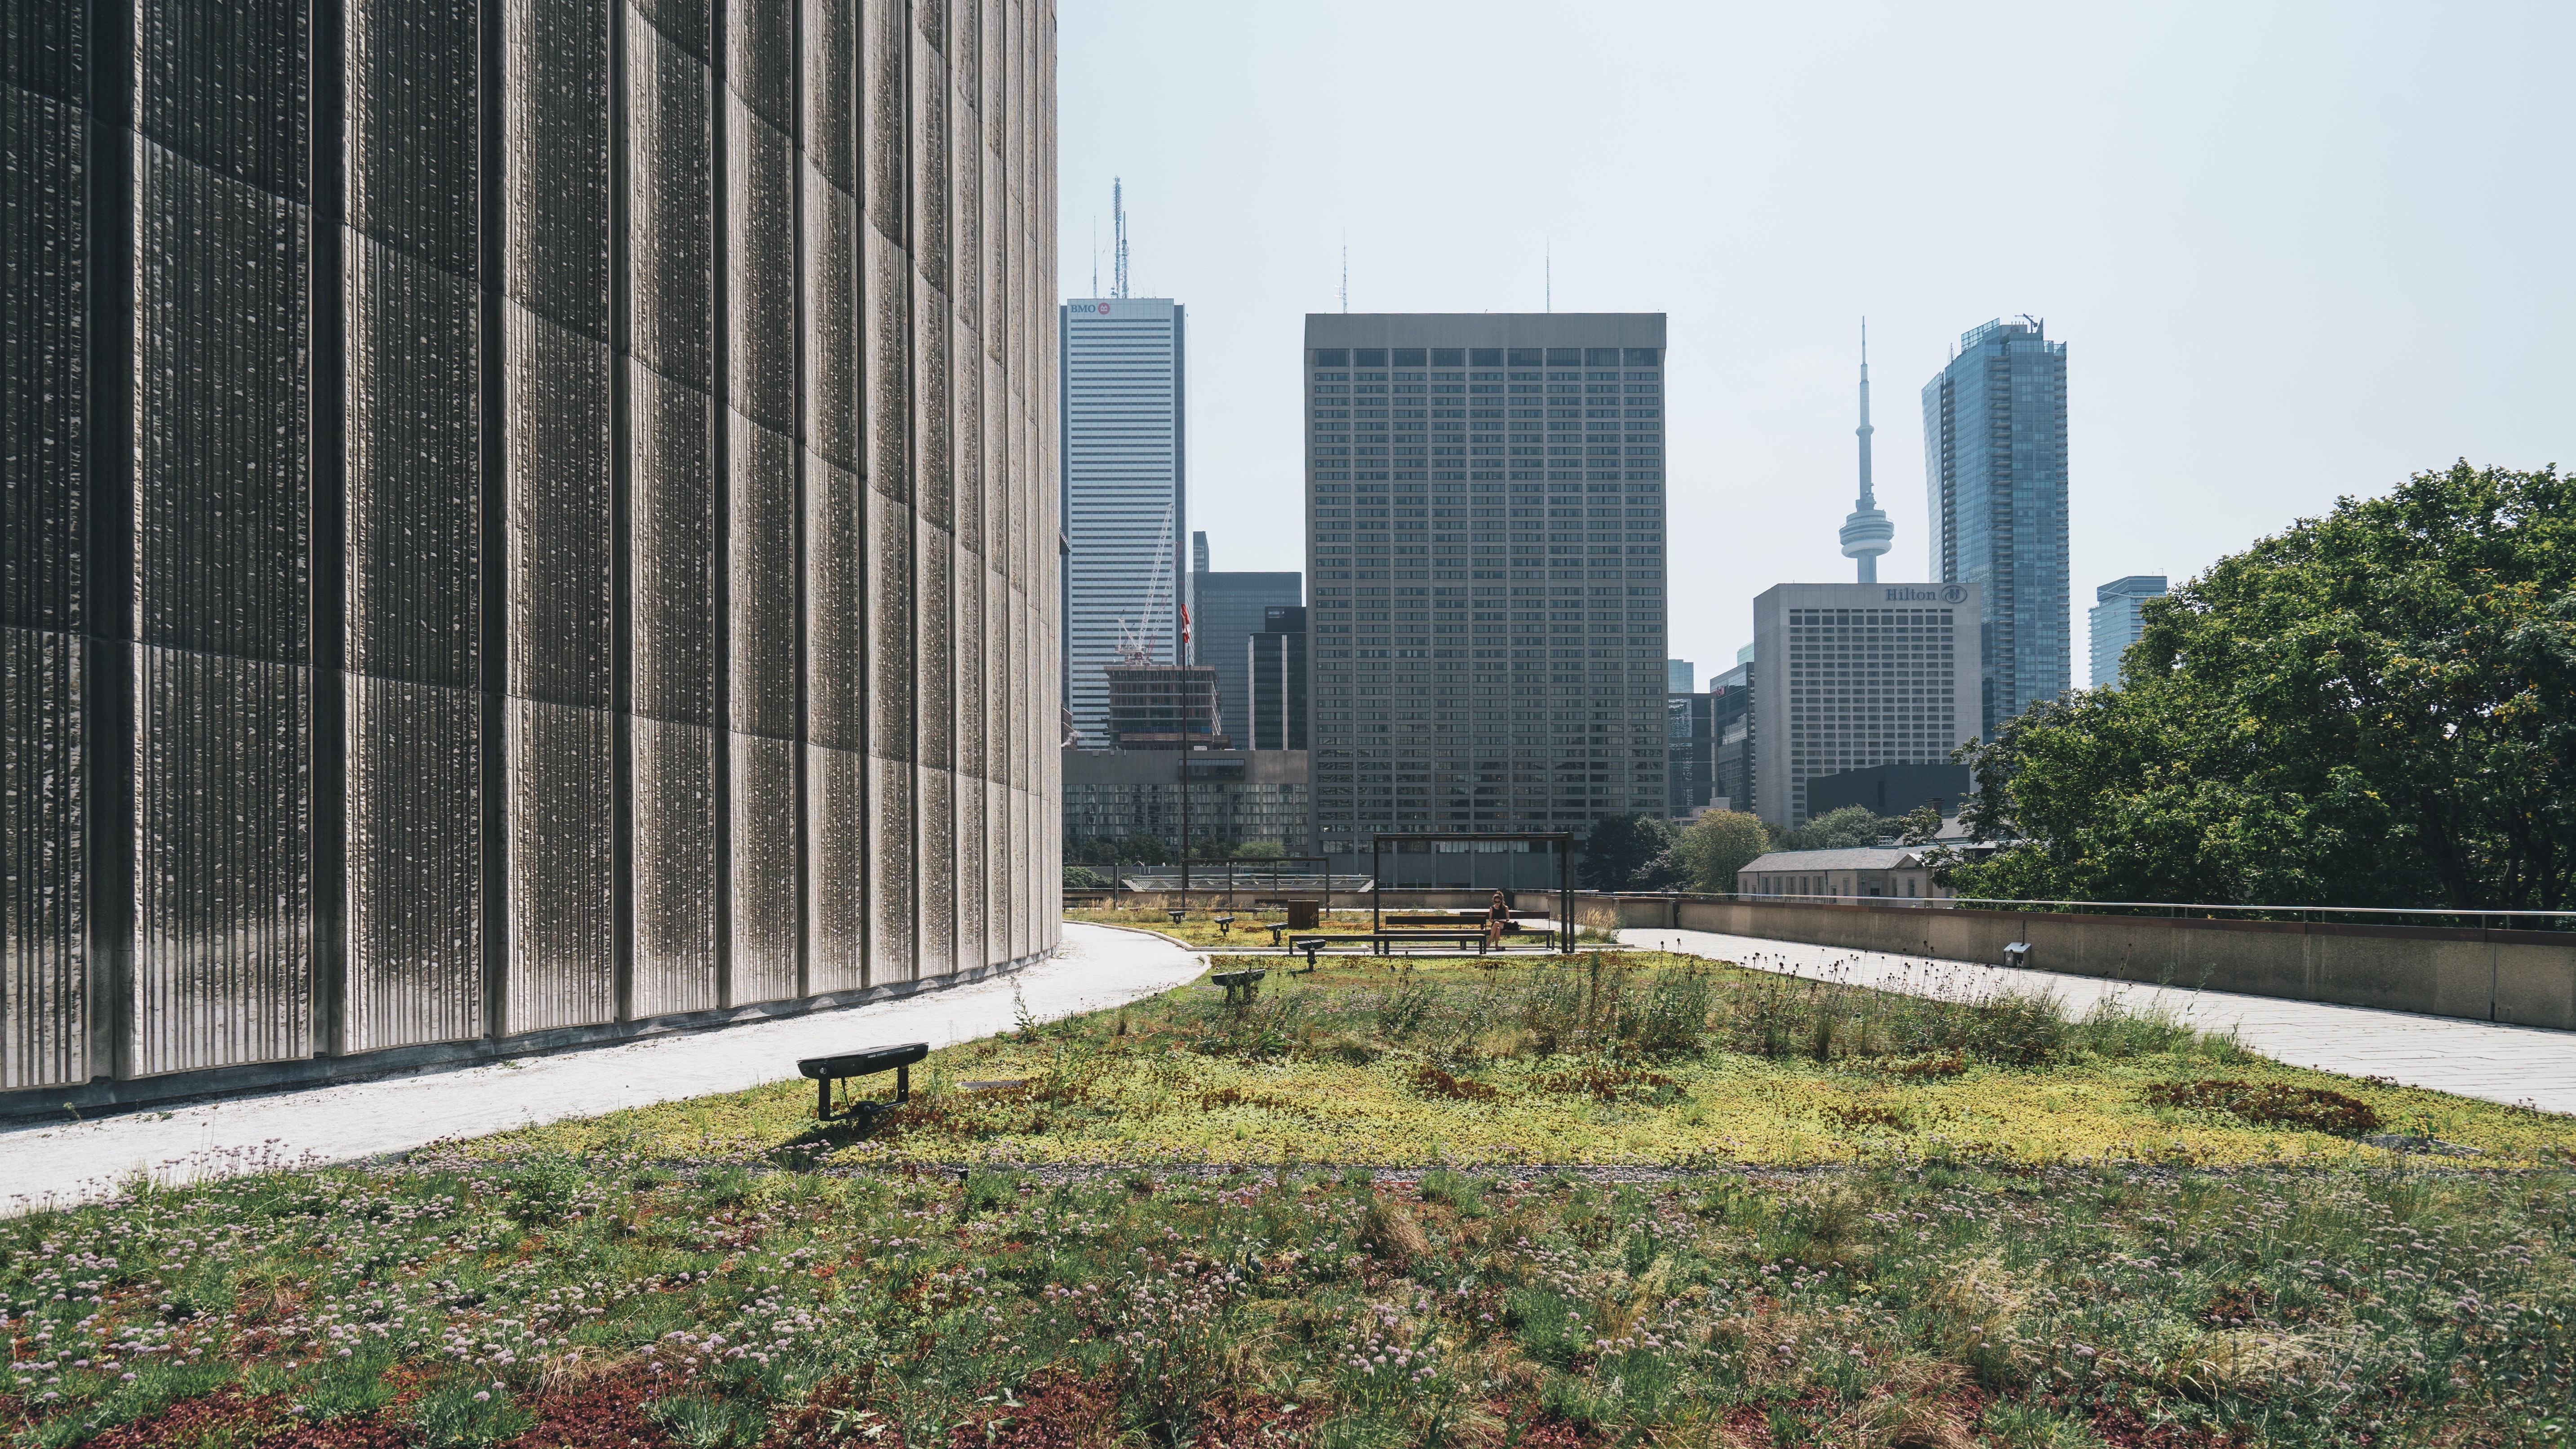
(1104,309)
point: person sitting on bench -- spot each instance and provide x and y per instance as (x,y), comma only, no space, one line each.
(1497,916)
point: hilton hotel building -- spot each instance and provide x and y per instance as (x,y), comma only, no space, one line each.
(1855,675)
(1485,545)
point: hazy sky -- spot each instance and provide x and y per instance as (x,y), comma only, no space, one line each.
(2295,251)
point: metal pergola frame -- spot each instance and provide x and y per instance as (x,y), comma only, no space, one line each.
(1564,873)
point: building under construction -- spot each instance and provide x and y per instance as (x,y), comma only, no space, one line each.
(1166,707)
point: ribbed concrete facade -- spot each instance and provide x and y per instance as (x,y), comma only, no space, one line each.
(527,519)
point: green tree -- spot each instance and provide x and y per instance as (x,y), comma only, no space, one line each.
(1853,827)
(1717,845)
(2377,707)
(1260,850)
(1617,845)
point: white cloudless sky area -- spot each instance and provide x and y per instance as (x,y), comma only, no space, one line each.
(2295,251)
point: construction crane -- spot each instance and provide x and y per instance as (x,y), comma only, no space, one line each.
(1135,642)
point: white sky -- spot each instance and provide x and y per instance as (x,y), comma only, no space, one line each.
(2296,251)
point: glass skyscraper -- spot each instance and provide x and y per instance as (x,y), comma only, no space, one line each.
(2117,622)
(1126,494)
(1226,610)
(1994,459)
(1485,514)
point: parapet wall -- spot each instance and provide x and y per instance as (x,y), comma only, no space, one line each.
(2525,978)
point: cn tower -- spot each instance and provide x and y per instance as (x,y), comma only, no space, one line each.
(1866,533)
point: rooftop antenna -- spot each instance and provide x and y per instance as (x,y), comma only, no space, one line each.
(1095,256)
(1547,274)
(1346,274)
(1118,218)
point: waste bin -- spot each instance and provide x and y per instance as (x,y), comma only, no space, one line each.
(1305,915)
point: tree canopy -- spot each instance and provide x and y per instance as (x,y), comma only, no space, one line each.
(1717,845)
(1617,846)
(2376,708)
(1852,827)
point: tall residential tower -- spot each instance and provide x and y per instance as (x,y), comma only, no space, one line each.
(1126,495)
(1485,505)
(1994,459)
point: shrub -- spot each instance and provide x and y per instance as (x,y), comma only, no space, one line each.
(1406,1005)
(1672,1020)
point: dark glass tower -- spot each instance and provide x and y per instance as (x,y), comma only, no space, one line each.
(1994,451)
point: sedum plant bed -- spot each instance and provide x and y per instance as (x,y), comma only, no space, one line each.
(544,1298)
(1612,1057)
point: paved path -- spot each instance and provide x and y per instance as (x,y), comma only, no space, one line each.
(2470,1058)
(1096,967)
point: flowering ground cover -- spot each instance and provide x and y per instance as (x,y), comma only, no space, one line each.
(2233,1263)
(547,1299)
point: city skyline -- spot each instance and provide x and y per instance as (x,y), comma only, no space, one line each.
(2298,181)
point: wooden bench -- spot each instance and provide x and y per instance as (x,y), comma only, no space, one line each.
(867,1061)
(1379,940)
(1225,925)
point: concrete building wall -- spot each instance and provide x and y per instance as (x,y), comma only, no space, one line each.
(538,522)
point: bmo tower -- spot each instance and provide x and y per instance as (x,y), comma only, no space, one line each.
(1126,494)
(1485,552)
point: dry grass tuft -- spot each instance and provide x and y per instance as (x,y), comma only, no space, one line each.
(1393,1234)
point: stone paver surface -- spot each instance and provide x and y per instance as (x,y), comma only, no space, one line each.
(2471,1058)
(45,1162)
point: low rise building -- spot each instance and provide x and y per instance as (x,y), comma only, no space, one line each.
(1897,873)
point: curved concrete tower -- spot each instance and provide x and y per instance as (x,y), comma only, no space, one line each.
(1866,533)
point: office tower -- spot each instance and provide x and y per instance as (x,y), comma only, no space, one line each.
(1485,546)
(1226,610)
(1994,459)
(1857,675)
(1277,665)
(1165,707)
(1730,729)
(1866,533)
(1680,677)
(1126,497)
(523,519)
(1690,747)
(2117,620)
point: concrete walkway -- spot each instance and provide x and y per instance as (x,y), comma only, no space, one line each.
(48,1164)
(2469,1058)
